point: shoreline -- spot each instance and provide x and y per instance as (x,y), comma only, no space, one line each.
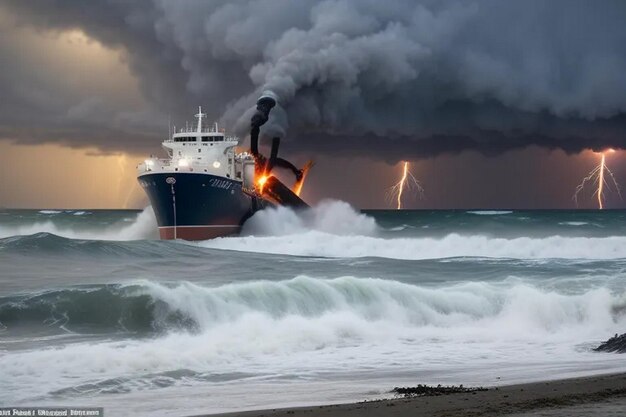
(557,397)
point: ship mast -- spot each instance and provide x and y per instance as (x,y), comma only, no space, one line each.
(200,115)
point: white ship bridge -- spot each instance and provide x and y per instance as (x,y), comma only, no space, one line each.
(199,149)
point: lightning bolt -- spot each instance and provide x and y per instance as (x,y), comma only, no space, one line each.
(598,178)
(407,182)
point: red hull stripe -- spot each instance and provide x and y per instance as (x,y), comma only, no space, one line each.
(197,232)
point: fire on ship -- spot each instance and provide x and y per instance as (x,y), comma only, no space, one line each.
(205,188)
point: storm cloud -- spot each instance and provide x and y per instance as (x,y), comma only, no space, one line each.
(365,77)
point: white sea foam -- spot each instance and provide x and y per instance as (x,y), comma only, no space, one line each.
(330,216)
(490,212)
(573,223)
(144,227)
(334,229)
(304,326)
(315,243)
(50,211)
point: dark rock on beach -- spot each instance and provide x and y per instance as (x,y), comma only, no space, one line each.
(427,390)
(615,344)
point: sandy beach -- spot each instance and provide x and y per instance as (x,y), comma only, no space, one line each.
(603,395)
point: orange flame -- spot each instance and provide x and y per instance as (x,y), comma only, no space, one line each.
(261,182)
(297,188)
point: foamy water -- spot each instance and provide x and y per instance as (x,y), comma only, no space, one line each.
(334,229)
(326,305)
(142,227)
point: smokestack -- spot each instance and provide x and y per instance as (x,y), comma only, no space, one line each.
(264,105)
(254,140)
(274,152)
(267,100)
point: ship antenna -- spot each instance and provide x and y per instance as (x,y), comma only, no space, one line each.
(200,115)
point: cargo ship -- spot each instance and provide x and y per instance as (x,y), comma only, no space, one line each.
(207,188)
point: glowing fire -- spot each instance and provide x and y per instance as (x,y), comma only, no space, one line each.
(407,182)
(261,182)
(297,188)
(598,178)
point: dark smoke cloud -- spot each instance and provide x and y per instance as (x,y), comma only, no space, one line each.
(383,79)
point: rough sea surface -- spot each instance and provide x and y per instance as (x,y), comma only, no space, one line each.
(328,305)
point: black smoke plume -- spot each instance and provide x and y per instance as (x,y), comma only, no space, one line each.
(385,79)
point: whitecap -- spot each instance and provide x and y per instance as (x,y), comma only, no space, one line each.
(490,212)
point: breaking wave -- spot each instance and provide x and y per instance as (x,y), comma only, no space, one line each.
(46,243)
(143,227)
(334,229)
(150,305)
(331,229)
(372,300)
(95,309)
(322,244)
(347,322)
(330,216)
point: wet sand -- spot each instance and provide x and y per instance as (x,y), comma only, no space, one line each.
(603,395)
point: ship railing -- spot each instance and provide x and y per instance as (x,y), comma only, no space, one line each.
(226,138)
(194,129)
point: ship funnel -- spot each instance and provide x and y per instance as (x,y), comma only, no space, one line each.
(267,99)
(274,151)
(264,105)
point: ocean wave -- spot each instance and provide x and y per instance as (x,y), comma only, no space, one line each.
(147,304)
(335,230)
(320,244)
(144,227)
(304,325)
(50,211)
(96,309)
(489,212)
(329,216)
(573,223)
(47,243)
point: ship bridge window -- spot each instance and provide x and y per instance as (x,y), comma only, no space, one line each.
(185,139)
(212,138)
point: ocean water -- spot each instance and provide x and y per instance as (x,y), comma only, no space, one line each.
(328,305)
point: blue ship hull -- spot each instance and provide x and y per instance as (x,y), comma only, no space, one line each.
(198,206)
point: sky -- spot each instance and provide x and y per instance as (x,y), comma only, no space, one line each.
(496,104)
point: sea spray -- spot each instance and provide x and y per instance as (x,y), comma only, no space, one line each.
(329,216)
(142,227)
(144,319)
(306,326)
(536,311)
(323,244)
(334,229)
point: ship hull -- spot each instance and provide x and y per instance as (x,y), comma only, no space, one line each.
(196,206)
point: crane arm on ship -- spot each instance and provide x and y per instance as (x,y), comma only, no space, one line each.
(269,185)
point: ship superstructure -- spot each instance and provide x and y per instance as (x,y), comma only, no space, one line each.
(196,192)
(205,188)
